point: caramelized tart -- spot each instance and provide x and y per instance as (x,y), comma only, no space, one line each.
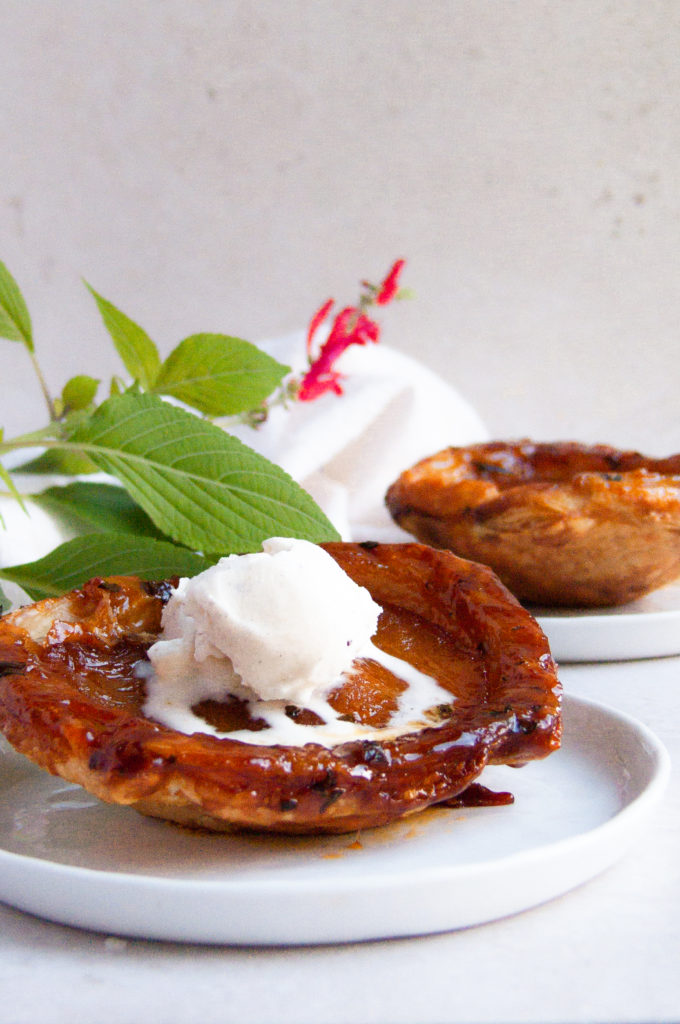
(72,700)
(561,524)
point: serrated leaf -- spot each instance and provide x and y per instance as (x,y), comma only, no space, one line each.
(199,485)
(58,463)
(15,320)
(134,346)
(102,554)
(79,392)
(11,486)
(219,375)
(96,508)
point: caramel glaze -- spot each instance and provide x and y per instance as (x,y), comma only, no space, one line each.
(70,700)
(562,524)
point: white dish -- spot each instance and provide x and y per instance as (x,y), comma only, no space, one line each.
(646,628)
(66,857)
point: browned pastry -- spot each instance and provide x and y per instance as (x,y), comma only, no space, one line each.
(561,524)
(71,700)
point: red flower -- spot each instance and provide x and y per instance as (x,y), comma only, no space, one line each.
(390,286)
(351,326)
(316,322)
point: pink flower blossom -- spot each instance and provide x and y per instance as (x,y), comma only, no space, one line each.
(390,286)
(351,326)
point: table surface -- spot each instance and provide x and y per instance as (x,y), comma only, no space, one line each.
(607,951)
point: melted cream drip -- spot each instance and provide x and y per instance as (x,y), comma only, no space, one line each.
(421,694)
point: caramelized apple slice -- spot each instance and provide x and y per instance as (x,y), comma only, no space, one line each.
(72,696)
(561,524)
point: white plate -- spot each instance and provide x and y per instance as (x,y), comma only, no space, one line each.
(647,628)
(69,858)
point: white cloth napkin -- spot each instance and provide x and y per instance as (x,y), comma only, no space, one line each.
(345,450)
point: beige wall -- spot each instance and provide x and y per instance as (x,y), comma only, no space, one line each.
(228,165)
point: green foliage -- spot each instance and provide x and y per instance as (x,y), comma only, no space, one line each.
(199,485)
(103,554)
(15,322)
(134,346)
(219,375)
(190,492)
(79,393)
(213,373)
(6,478)
(58,463)
(84,507)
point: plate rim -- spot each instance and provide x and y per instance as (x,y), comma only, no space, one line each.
(612,634)
(370,879)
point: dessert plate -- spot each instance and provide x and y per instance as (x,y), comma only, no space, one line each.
(66,857)
(646,628)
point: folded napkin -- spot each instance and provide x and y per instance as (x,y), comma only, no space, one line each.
(344,449)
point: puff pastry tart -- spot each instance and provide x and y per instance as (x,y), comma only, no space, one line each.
(72,699)
(562,524)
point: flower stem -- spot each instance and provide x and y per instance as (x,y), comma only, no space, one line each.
(43,387)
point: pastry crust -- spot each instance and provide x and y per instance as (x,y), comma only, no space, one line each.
(562,524)
(71,700)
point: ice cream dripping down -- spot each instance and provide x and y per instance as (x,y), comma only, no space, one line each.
(275,628)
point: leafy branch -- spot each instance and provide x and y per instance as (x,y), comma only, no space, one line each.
(187,485)
(187,492)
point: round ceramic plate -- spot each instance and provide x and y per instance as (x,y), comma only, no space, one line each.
(647,628)
(66,857)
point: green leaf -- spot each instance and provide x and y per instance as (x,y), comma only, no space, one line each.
(96,508)
(102,554)
(134,346)
(15,321)
(58,463)
(79,392)
(199,485)
(219,375)
(5,602)
(11,486)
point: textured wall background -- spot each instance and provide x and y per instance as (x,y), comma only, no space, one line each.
(228,165)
